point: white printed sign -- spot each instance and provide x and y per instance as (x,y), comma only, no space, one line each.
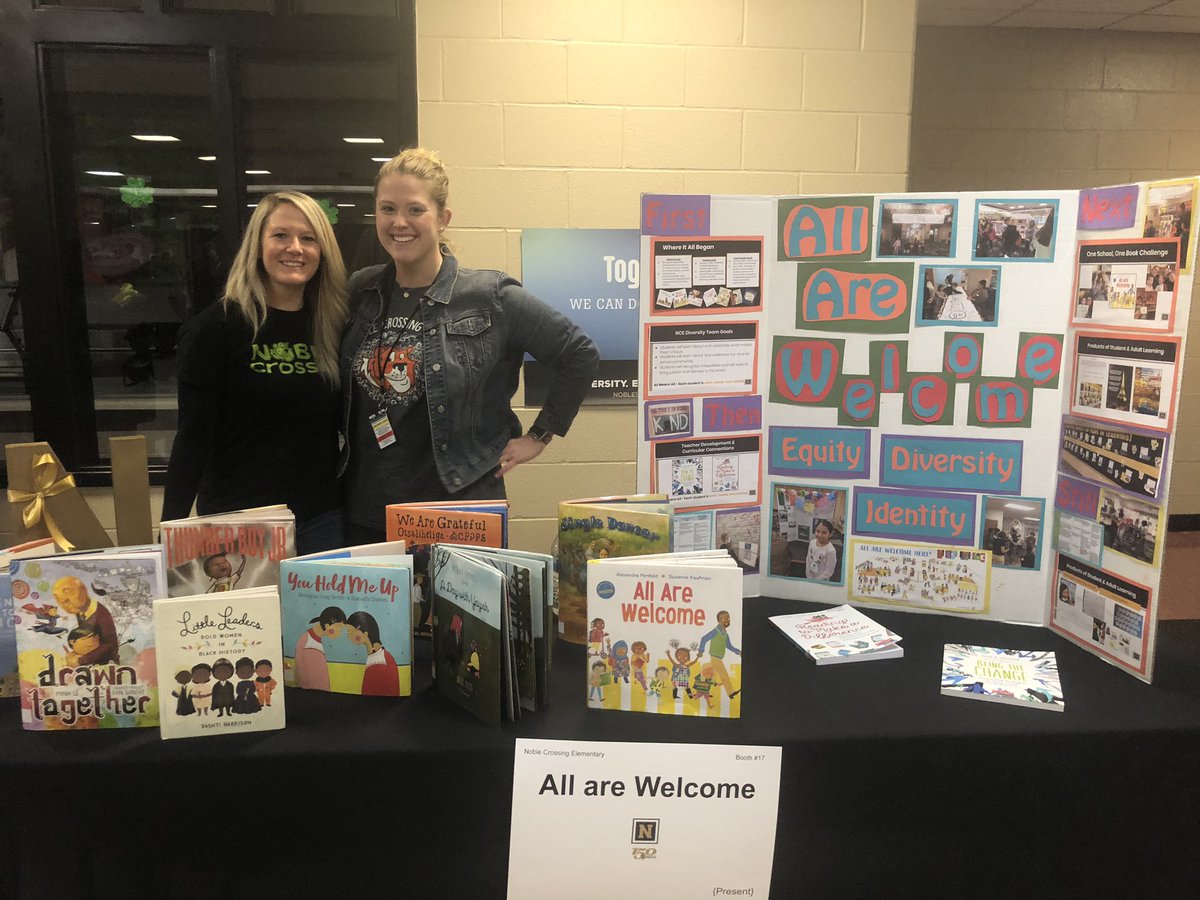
(590,815)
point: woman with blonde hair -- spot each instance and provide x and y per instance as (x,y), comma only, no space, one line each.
(259,381)
(431,358)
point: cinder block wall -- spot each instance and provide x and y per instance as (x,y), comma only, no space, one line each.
(560,113)
(1013,108)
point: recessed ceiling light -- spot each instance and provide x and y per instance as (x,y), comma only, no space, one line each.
(257,172)
(207,158)
(160,138)
(102,172)
(362,140)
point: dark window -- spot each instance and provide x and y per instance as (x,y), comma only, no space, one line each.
(138,163)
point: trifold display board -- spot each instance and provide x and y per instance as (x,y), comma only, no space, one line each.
(948,403)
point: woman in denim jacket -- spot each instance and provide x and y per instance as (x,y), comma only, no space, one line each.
(430,361)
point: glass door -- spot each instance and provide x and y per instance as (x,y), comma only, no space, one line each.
(136,190)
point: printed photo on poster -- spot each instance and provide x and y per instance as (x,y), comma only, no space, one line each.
(1103,611)
(1016,229)
(1169,209)
(671,418)
(1129,380)
(1011,528)
(1127,459)
(715,275)
(808,532)
(1128,284)
(738,533)
(916,228)
(722,470)
(1132,527)
(701,358)
(958,295)
(946,579)
(1079,537)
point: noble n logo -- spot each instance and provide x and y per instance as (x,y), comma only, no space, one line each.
(645,831)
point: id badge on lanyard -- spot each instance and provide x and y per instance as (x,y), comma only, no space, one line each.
(382,426)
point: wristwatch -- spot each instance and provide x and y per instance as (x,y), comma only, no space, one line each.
(542,435)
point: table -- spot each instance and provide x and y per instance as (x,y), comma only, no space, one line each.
(888,788)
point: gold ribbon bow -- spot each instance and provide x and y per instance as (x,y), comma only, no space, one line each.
(43,470)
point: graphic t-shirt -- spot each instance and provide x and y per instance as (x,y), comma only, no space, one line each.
(389,380)
(258,423)
(821,562)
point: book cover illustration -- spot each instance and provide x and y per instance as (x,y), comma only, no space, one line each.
(665,636)
(470,647)
(347,625)
(603,528)
(839,634)
(1019,677)
(540,612)
(85,639)
(473,523)
(228,551)
(9,680)
(220,663)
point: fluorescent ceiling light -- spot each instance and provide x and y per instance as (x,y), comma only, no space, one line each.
(208,206)
(207,158)
(346,205)
(1021,506)
(381,159)
(362,140)
(159,138)
(257,172)
(102,172)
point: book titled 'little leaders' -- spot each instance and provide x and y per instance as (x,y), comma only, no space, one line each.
(1019,677)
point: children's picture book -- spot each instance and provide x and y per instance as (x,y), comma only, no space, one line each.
(220,661)
(472,656)
(228,551)
(85,638)
(839,635)
(540,569)
(603,528)
(665,635)
(347,624)
(1020,677)
(9,681)
(472,523)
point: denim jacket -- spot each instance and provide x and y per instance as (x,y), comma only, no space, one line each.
(478,325)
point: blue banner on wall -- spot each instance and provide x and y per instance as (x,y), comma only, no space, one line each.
(592,276)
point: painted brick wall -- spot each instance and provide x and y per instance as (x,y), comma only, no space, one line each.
(560,114)
(1013,108)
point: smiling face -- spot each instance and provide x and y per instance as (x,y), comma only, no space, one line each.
(407,223)
(289,250)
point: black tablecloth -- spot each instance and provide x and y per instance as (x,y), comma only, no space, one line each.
(888,788)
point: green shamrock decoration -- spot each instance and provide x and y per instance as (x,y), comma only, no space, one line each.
(330,211)
(136,194)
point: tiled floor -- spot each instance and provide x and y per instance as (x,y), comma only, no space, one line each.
(1179,593)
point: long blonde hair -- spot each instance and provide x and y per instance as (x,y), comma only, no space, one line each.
(325,292)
